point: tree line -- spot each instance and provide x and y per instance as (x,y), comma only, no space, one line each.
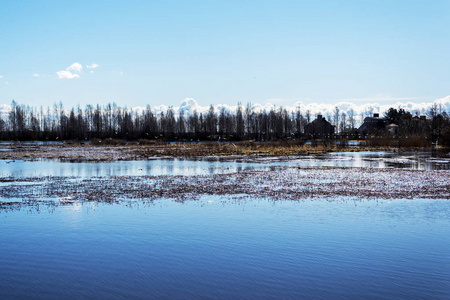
(111,121)
(434,127)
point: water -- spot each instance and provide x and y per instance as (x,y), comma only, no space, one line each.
(36,168)
(378,159)
(23,168)
(31,143)
(382,159)
(222,248)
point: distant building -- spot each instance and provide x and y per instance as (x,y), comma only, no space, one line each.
(373,125)
(419,126)
(392,129)
(319,128)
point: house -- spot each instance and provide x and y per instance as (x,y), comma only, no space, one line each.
(319,128)
(392,129)
(373,125)
(420,126)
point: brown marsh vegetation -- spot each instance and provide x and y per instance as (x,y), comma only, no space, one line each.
(107,150)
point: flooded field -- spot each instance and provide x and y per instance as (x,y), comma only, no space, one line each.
(208,166)
(343,225)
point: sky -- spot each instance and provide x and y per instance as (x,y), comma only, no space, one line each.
(138,53)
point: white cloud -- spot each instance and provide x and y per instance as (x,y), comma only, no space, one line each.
(189,105)
(1,76)
(36,75)
(67,75)
(70,72)
(6,82)
(4,109)
(92,72)
(92,66)
(75,67)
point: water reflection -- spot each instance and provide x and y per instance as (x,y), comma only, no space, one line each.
(430,160)
(411,160)
(31,143)
(21,168)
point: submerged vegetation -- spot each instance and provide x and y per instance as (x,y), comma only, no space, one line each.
(293,183)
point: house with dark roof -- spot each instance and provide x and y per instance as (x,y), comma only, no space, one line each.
(319,128)
(373,125)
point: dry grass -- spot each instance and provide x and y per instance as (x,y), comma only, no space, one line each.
(244,149)
(382,142)
(414,142)
(217,149)
(108,150)
(403,142)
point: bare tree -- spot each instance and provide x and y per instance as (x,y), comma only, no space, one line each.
(308,116)
(351,118)
(343,123)
(336,118)
(239,123)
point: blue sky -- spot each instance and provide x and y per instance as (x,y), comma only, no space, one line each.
(161,52)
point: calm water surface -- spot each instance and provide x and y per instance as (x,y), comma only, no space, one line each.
(226,248)
(223,248)
(24,168)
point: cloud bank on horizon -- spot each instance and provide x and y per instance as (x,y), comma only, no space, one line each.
(189,105)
